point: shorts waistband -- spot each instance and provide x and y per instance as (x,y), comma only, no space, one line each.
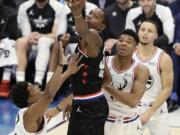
(145,104)
(87,97)
(123,119)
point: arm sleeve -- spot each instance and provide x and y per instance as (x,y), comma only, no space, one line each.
(168,24)
(23,21)
(129,21)
(61,20)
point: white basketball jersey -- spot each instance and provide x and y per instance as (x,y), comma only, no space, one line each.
(19,127)
(121,80)
(153,85)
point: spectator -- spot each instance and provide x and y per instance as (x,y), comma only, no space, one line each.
(116,16)
(7,46)
(150,10)
(38,21)
(102,3)
(176,54)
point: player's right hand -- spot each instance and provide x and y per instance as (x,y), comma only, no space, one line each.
(73,66)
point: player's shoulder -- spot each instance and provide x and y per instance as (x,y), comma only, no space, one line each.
(27,4)
(163,55)
(135,12)
(165,58)
(141,69)
(56,5)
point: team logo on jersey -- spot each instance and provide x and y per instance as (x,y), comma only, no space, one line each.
(70,18)
(149,82)
(31,12)
(78,109)
(4,53)
(121,85)
(101,67)
(151,63)
(40,22)
(2,21)
(139,23)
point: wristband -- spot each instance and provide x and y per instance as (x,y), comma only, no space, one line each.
(59,109)
(61,65)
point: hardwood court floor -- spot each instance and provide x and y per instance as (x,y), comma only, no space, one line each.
(8,112)
(57,128)
(62,130)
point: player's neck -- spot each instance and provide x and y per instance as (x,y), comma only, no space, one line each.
(125,6)
(41,5)
(122,63)
(151,13)
(146,51)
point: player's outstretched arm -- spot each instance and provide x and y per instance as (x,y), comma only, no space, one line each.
(89,36)
(37,109)
(64,105)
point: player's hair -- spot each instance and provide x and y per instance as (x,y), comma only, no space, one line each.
(153,22)
(20,94)
(131,33)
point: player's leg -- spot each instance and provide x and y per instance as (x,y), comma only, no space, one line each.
(22,48)
(159,127)
(42,59)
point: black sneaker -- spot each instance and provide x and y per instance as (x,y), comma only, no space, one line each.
(172,106)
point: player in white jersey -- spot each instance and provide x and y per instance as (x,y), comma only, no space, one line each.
(31,119)
(126,88)
(153,108)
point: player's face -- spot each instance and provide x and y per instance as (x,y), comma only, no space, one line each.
(95,19)
(125,45)
(148,6)
(147,33)
(34,92)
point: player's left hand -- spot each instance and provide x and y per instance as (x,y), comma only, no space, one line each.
(145,117)
(67,111)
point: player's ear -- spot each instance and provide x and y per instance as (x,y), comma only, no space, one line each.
(30,100)
(101,27)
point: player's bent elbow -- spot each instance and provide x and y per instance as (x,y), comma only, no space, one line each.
(133,103)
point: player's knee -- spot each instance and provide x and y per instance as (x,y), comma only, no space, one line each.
(45,42)
(22,43)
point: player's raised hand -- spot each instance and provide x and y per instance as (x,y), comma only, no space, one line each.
(73,66)
(76,6)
